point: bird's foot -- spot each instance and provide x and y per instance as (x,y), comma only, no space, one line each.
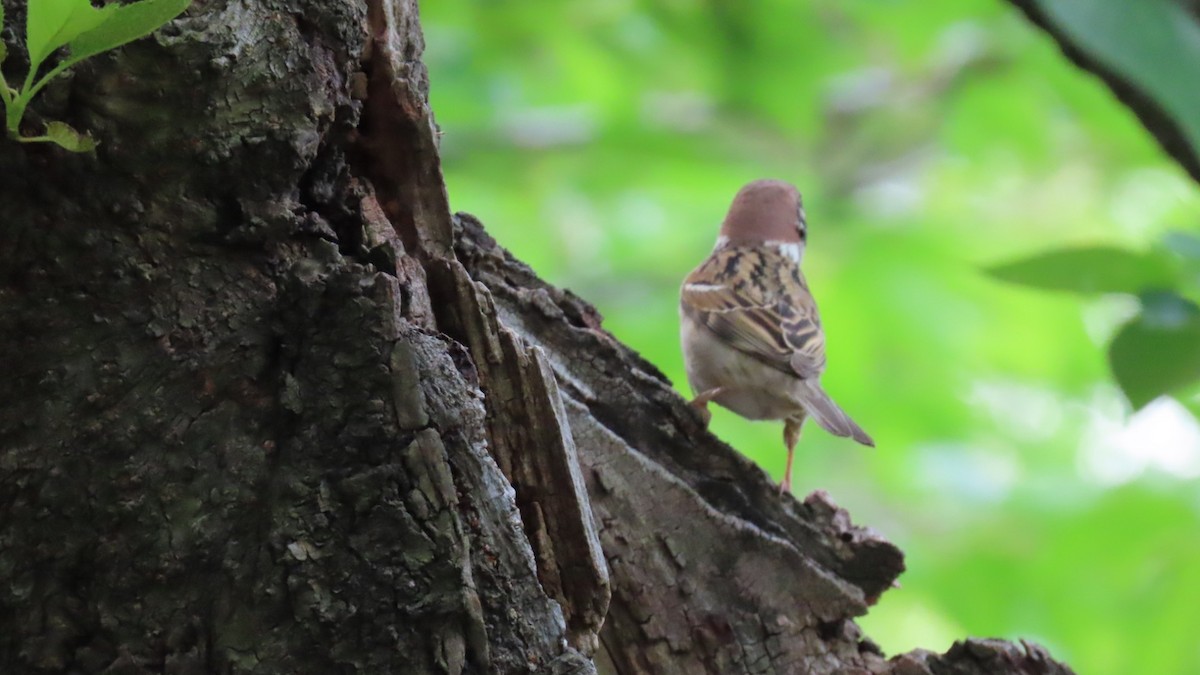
(791,435)
(700,404)
(701,408)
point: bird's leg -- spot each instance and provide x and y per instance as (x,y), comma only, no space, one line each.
(791,436)
(700,403)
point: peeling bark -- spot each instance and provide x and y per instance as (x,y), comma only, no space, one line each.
(270,408)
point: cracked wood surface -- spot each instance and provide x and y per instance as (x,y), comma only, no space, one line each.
(269,408)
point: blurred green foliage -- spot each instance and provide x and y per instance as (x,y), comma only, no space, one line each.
(933,140)
(1154,44)
(1157,351)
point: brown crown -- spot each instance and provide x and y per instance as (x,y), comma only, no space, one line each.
(765,210)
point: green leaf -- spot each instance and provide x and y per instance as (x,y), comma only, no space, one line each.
(1158,352)
(51,24)
(1184,244)
(1185,248)
(124,24)
(86,32)
(60,133)
(1152,43)
(1189,396)
(1091,270)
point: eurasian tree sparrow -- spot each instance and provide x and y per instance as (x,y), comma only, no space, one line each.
(752,339)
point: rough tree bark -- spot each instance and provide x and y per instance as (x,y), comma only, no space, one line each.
(268,407)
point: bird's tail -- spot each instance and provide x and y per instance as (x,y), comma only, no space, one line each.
(827,414)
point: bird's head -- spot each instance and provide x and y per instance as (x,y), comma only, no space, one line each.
(766,211)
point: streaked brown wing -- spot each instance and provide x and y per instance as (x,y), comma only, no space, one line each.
(781,329)
(801,327)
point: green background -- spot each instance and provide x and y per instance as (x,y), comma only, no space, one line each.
(601,142)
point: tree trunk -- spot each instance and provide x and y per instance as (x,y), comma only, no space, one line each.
(269,407)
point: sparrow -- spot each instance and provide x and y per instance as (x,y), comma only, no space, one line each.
(751,335)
